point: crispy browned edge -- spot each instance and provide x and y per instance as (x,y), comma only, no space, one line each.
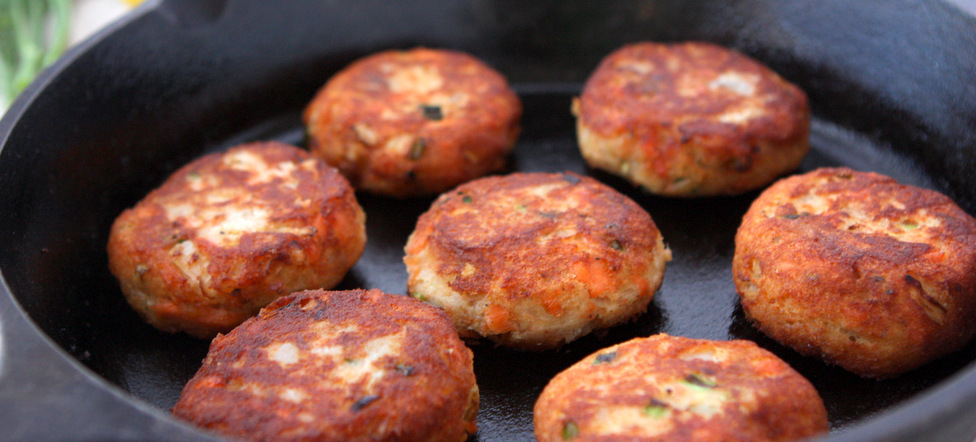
(245,277)
(664,125)
(426,395)
(867,303)
(445,151)
(788,406)
(462,229)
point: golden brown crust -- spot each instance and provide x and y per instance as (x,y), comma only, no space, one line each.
(344,365)
(874,276)
(416,122)
(230,232)
(672,388)
(534,260)
(691,119)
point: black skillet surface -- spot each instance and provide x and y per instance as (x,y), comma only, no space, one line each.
(890,84)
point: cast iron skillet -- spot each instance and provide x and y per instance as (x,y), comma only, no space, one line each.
(891,87)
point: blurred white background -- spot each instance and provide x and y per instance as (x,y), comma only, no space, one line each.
(21,39)
(91,15)
(34,33)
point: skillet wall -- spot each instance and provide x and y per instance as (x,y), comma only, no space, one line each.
(110,121)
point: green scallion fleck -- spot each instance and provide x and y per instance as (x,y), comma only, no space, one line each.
(404,369)
(418,148)
(431,112)
(656,409)
(570,431)
(366,400)
(466,199)
(615,244)
(604,358)
(698,380)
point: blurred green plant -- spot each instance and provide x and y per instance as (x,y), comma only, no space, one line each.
(33,33)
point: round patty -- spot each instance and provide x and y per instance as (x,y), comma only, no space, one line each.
(230,232)
(868,274)
(691,119)
(535,260)
(407,123)
(673,388)
(344,365)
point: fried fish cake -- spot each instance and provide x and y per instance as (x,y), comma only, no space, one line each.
(852,267)
(691,119)
(672,388)
(535,260)
(230,232)
(338,366)
(417,122)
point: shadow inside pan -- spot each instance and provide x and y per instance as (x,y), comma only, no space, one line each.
(696,300)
